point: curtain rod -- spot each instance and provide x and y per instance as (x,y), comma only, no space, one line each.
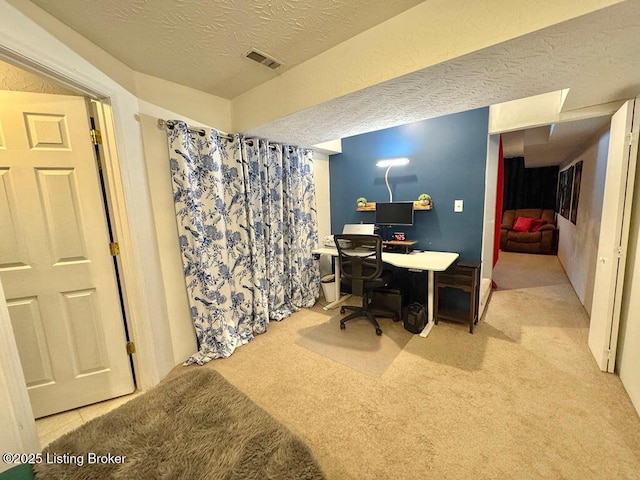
(170,124)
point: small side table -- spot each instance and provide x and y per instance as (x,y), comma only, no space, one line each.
(464,276)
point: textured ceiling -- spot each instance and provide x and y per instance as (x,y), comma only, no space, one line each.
(201,43)
(554,144)
(16,79)
(596,56)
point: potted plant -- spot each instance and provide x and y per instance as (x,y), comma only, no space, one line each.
(424,199)
(361,201)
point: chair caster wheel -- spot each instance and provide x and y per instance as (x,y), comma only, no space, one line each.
(342,326)
(342,310)
(396,319)
(378,332)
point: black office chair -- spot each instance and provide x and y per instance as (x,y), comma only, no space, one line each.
(361,266)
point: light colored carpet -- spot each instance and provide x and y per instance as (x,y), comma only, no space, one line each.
(357,346)
(521,398)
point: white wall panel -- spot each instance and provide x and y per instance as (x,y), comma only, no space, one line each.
(578,244)
(13,252)
(29,332)
(59,197)
(86,334)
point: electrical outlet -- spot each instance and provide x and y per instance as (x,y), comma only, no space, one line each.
(457,205)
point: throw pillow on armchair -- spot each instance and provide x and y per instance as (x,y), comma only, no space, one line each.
(523,224)
(530,230)
(537,223)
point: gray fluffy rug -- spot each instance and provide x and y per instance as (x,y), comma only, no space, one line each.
(193,426)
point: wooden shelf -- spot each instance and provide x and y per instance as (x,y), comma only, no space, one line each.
(418,206)
(368,207)
(371,206)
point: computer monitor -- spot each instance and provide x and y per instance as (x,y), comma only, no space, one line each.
(396,213)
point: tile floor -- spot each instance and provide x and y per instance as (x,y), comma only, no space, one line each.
(54,426)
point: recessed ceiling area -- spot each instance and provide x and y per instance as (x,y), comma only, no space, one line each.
(552,144)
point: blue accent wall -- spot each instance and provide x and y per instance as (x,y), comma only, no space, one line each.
(448,160)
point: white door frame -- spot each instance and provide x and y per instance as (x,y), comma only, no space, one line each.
(114,186)
(81,376)
(614,235)
(489,220)
(26,44)
(614,307)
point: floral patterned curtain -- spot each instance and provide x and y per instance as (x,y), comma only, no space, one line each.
(247,224)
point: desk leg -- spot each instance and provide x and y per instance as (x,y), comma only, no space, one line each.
(336,286)
(430,290)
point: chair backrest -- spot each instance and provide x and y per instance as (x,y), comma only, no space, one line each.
(360,256)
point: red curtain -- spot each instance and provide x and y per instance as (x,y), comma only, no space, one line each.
(499,195)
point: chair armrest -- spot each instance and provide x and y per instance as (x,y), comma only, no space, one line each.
(508,219)
(546,227)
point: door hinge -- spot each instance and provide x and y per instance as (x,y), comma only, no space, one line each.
(131,348)
(631,138)
(618,252)
(96,137)
(114,248)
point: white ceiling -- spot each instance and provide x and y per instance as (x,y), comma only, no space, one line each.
(552,144)
(202,43)
(595,56)
(199,43)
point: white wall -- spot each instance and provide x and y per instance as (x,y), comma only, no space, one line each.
(526,112)
(180,102)
(628,355)
(183,339)
(323,205)
(578,244)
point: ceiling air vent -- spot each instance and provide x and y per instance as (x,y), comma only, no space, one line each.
(263,59)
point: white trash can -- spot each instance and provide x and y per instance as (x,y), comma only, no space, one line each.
(328,287)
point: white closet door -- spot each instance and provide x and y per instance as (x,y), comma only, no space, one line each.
(614,235)
(55,262)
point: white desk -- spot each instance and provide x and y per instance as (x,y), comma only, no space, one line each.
(420,261)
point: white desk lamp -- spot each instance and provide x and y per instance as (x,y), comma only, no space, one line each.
(391,162)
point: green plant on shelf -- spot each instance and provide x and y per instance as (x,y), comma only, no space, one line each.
(424,199)
(361,201)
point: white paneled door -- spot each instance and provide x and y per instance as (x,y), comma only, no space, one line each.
(55,262)
(614,234)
